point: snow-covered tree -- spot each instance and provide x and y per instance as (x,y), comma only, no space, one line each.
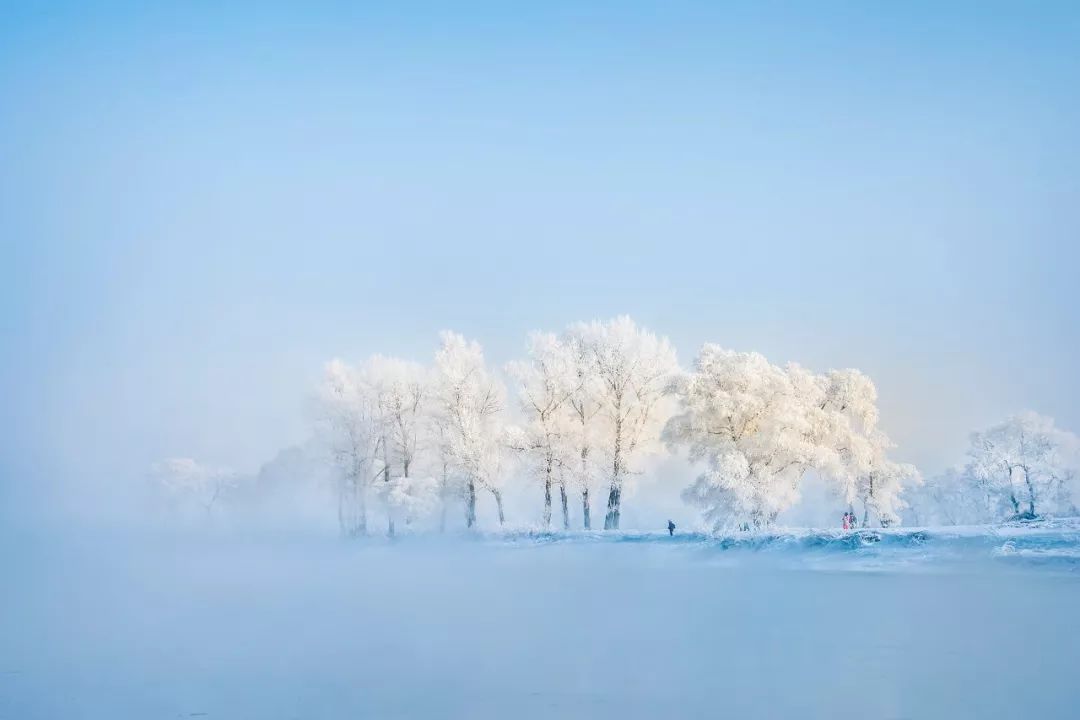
(583,408)
(469,404)
(186,481)
(449,484)
(1025,465)
(409,497)
(848,448)
(948,499)
(545,384)
(742,417)
(399,390)
(633,368)
(760,428)
(348,427)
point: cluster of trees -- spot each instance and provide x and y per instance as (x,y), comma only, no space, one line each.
(406,441)
(587,403)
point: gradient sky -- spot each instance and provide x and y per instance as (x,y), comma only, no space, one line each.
(199,206)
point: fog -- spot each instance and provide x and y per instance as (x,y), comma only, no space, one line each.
(200,206)
(234,625)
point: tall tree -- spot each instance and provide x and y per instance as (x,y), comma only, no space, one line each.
(348,427)
(633,368)
(848,448)
(545,384)
(469,402)
(399,390)
(583,407)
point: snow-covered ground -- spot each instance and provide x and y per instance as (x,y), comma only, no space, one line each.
(956,623)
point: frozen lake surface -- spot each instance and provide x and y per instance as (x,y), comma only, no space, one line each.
(959,623)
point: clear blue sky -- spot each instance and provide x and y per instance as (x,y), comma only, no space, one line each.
(199,206)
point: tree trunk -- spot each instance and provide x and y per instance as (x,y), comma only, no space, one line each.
(585,514)
(470,503)
(343,503)
(866,505)
(361,508)
(444,491)
(611,520)
(547,497)
(386,478)
(565,507)
(499,506)
(352,509)
(442,500)
(1031,492)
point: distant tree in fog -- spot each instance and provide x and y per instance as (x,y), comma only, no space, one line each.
(348,427)
(400,392)
(185,480)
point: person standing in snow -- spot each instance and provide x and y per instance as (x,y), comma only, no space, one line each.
(671,528)
(847,520)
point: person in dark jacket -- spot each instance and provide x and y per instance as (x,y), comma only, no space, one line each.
(671,528)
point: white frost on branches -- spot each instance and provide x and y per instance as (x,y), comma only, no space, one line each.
(761,428)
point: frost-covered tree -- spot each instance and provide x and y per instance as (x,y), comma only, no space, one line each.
(348,427)
(583,408)
(545,384)
(948,499)
(448,481)
(1025,465)
(743,418)
(186,481)
(632,369)
(469,404)
(847,447)
(399,390)
(760,429)
(882,487)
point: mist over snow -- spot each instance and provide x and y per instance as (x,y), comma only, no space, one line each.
(539,360)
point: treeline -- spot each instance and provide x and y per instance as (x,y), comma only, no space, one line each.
(581,412)
(408,441)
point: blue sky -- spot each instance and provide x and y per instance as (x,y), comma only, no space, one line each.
(199,206)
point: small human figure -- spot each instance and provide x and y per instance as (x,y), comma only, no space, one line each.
(853,522)
(671,528)
(847,520)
